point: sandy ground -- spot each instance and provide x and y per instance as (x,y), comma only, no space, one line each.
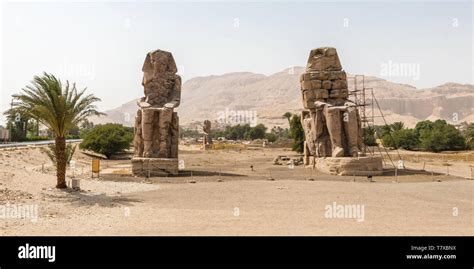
(219,194)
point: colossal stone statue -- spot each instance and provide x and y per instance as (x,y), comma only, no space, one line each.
(332,124)
(207,139)
(156,124)
(331,121)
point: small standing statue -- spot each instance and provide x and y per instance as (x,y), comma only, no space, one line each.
(156,123)
(207,139)
(331,122)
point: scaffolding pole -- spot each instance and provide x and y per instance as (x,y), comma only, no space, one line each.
(361,99)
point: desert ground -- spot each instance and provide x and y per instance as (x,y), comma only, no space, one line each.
(218,193)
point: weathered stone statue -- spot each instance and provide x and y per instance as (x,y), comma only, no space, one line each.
(207,139)
(156,124)
(331,121)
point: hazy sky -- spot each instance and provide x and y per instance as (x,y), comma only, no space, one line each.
(102,45)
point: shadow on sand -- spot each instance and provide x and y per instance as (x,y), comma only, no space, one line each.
(81,198)
(408,172)
(200,173)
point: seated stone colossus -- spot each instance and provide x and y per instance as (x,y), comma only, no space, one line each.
(207,138)
(331,121)
(156,123)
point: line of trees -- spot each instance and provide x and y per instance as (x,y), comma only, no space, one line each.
(241,132)
(24,128)
(244,132)
(427,135)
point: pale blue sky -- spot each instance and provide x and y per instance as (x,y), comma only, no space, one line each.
(102,45)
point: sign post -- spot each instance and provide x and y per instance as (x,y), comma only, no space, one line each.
(95,167)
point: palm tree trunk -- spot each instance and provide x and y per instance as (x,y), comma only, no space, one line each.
(61,162)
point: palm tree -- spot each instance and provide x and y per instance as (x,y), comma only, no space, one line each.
(287,115)
(58,108)
(397,126)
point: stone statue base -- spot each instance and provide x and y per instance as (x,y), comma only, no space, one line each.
(154,167)
(348,166)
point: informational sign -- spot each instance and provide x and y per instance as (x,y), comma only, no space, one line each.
(95,165)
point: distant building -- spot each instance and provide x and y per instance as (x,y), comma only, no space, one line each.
(44,131)
(4,134)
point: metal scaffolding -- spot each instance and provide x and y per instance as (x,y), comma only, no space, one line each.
(364,97)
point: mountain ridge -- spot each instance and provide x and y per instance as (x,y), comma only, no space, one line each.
(270,96)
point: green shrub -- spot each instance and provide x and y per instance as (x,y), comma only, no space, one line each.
(405,139)
(271,137)
(107,139)
(468,134)
(369,136)
(439,135)
(297,133)
(427,135)
(37,138)
(257,132)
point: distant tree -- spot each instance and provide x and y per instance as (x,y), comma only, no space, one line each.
(287,115)
(86,124)
(74,132)
(423,125)
(238,132)
(20,124)
(279,132)
(257,132)
(467,131)
(271,137)
(405,138)
(396,126)
(297,133)
(107,139)
(396,135)
(369,136)
(441,136)
(193,133)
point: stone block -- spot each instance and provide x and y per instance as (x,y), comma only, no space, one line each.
(153,167)
(326,84)
(347,166)
(339,84)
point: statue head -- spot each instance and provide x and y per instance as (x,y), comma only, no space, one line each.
(323,59)
(158,62)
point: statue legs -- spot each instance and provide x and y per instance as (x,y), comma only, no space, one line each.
(137,141)
(164,130)
(321,138)
(174,135)
(147,132)
(351,128)
(334,125)
(160,130)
